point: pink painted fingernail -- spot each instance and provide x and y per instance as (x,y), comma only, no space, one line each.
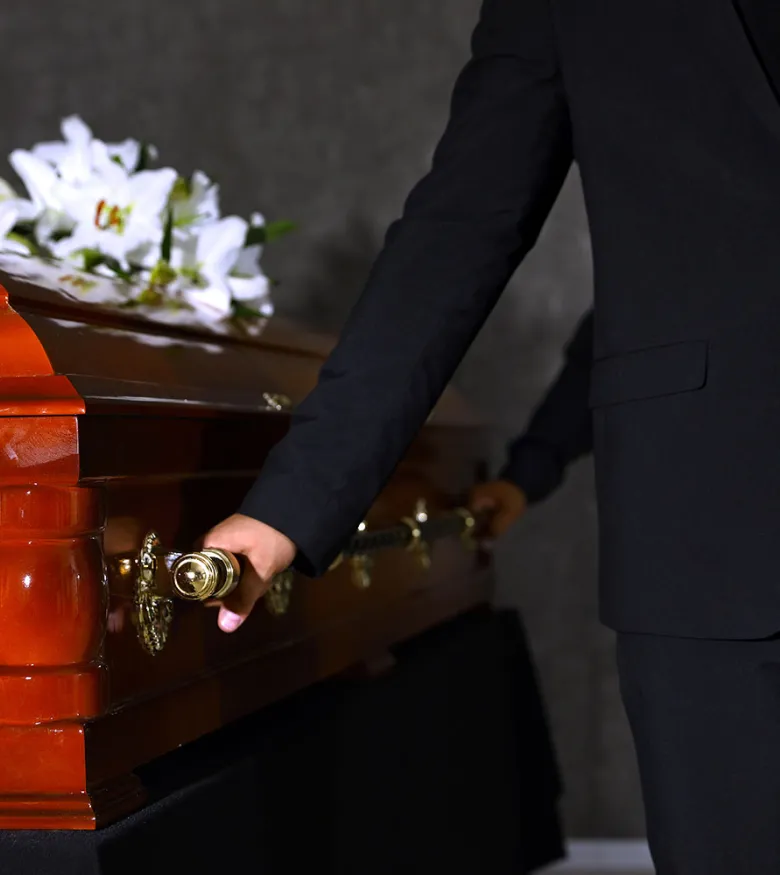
(228,621)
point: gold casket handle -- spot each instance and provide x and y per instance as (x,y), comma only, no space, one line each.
(213,573)
(207,574)
(196,576)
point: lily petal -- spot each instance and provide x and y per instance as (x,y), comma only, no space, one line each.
(26,210)
(6,191)
(9,216)
(205,197)
(81,238)
(76,164)
(14,246)
(219,243)
(13,211)
(108,170)
(150,190)
(249,288)
(128,152)
(213,302)
(200,206)
(248,261)
(48,223)
(38,177)
(76,131)
(52,153)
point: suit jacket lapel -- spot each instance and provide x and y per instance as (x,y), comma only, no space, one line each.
(733,51)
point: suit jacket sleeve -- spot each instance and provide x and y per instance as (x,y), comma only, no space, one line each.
(560,429)
(465,227)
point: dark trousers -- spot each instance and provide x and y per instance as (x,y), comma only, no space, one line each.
(706,722)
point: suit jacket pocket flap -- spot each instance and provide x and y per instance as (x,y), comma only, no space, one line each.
(649,373)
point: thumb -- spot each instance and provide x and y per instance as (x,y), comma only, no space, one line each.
(237,606)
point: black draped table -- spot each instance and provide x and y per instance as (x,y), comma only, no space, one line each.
(442,766)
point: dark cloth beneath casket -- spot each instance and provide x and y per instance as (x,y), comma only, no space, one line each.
(442,765)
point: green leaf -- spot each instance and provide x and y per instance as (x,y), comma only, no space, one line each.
(167,242)
(243,311)
(117,268)
(151,296)
(193,276)
(255,236)
(259,234)
(144,157)
(274,230)
(25,241)
(92,258)
(24,229)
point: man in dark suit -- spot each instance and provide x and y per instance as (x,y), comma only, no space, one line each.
(671,110)
(559,432)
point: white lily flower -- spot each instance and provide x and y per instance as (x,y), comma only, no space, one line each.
(219,244)
(74,156)
(72,159)
(42,184)
(208,255)
(85,195)
(247,281)
(212,303)
(12,211)
(128,153)
(7,191)
(195,202)
(39,178)
(118,213)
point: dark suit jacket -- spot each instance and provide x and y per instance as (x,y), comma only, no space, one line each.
(561,428)
(676,131)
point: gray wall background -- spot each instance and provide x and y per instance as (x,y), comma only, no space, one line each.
(326,112)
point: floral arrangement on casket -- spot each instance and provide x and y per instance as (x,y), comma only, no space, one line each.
(99,223)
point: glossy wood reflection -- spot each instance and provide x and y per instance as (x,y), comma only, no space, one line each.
(112,426)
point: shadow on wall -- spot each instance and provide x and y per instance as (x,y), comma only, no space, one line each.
(337,266)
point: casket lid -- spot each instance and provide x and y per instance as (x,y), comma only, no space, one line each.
(144,358)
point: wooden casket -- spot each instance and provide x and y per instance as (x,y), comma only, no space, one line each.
(115,426)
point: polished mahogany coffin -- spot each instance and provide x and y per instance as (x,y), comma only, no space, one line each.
(123,440)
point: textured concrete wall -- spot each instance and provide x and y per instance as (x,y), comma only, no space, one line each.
(327,112)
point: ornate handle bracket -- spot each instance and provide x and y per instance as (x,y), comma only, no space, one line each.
(277,402)
(277,598)
(415,533)
(214,574)
(198,576)
(153,612)
(417,543)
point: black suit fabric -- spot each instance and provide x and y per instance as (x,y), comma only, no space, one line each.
(671,115)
